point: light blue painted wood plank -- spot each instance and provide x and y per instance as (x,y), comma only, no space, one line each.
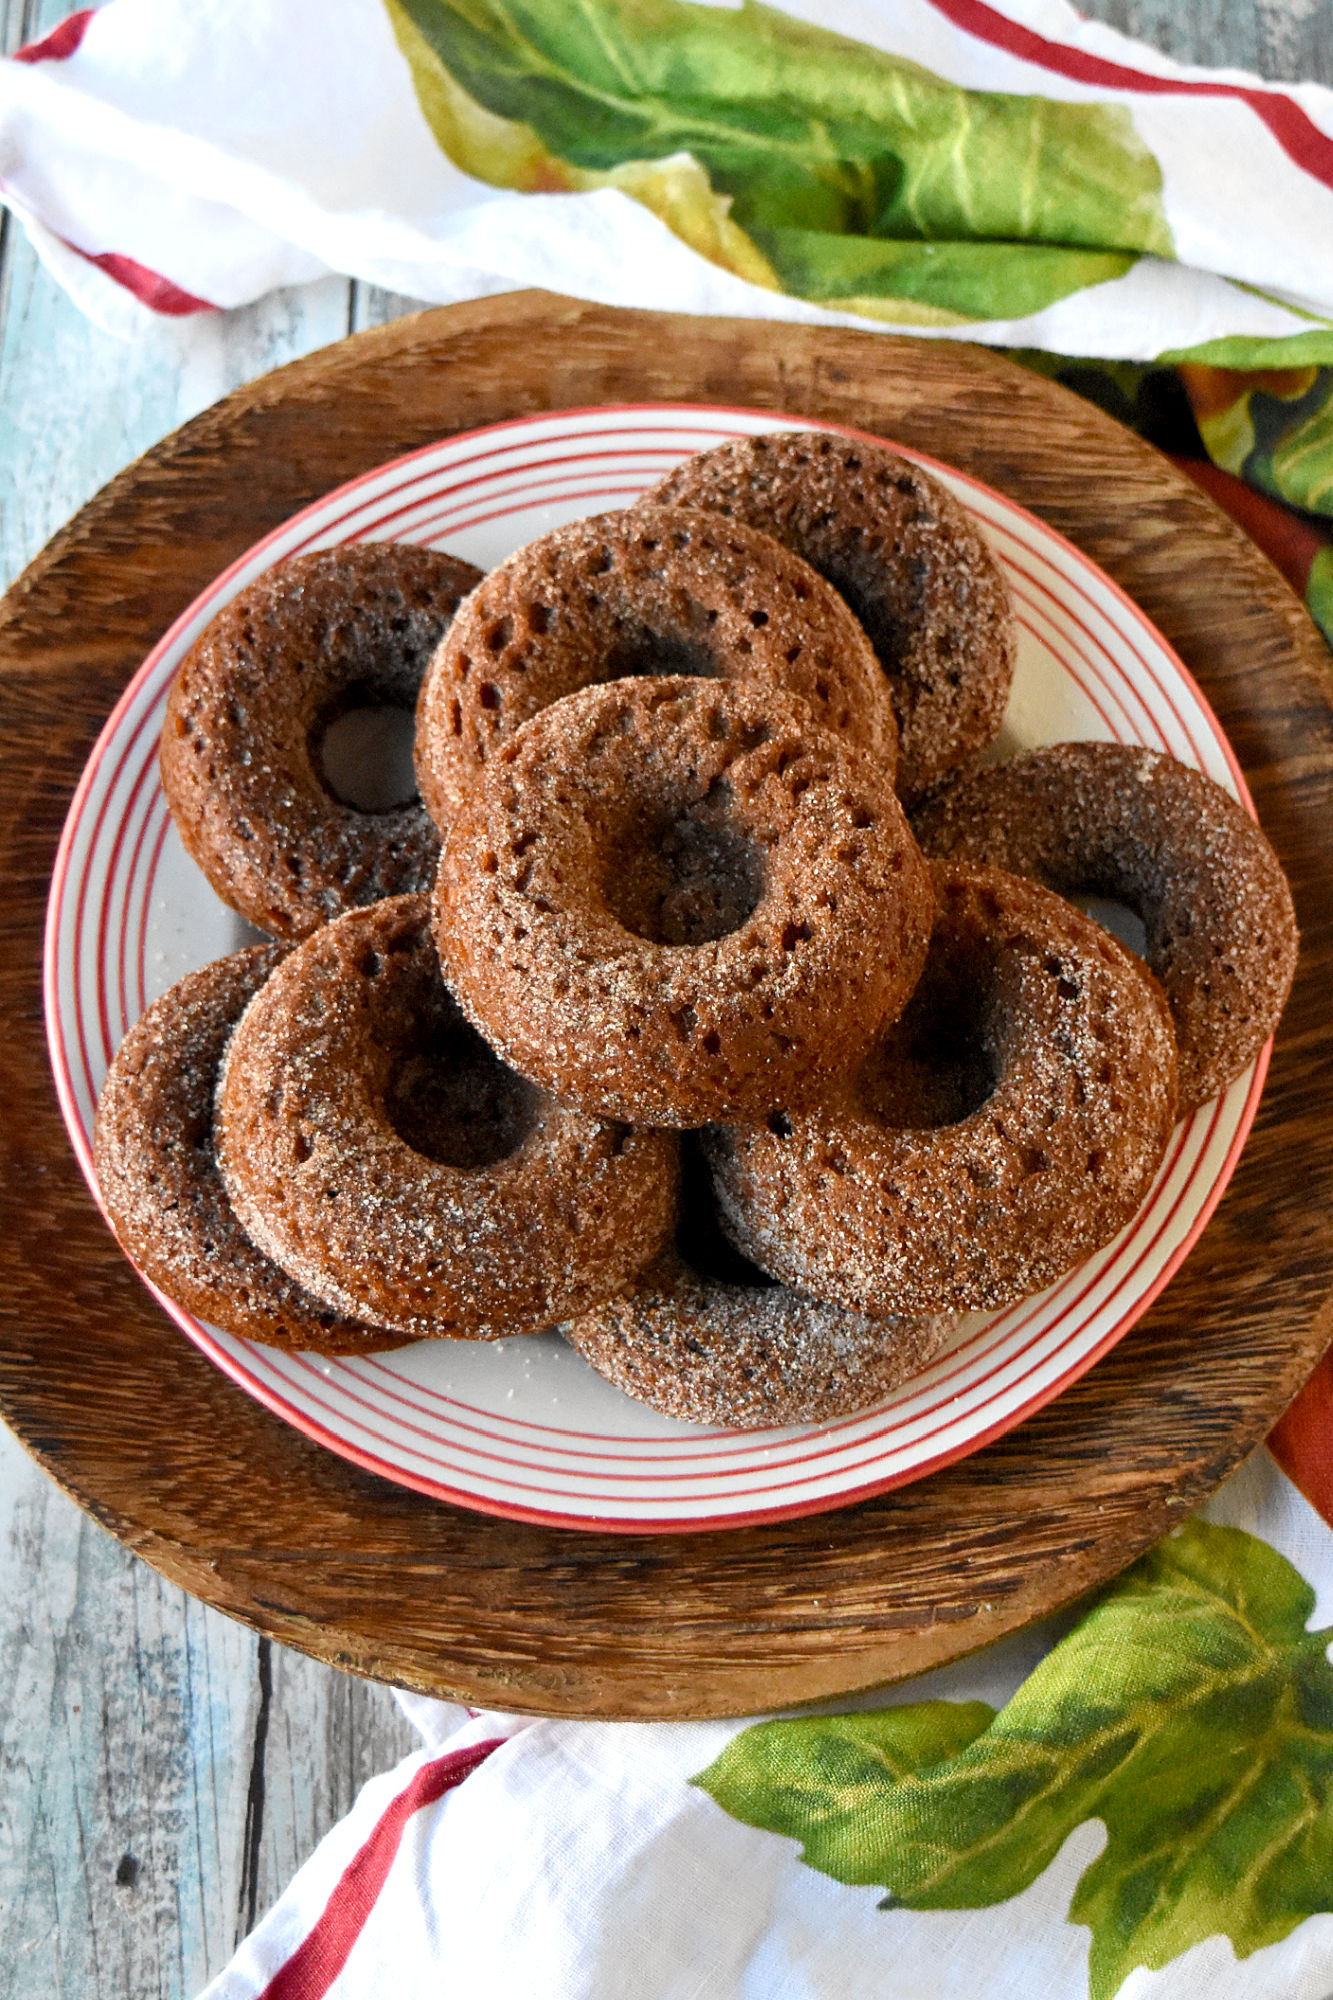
(76,405)
(371,306)
(1283,40)
(13,25)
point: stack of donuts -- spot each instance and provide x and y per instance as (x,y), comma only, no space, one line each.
(711,1000)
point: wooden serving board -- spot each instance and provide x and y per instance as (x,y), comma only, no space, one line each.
(261,1522)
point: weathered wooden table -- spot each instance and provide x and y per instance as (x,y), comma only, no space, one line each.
(163,1771)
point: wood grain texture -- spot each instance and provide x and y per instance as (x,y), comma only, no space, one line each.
(258,1520)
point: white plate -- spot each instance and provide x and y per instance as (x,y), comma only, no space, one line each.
(524,1427)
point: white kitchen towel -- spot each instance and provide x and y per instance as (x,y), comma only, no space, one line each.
(1184,1750)
(1018,175)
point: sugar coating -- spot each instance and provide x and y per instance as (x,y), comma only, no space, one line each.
(158,1173)
(1008,1126)
(631,594)
(906,557)
(502,1213)
(746,1356)
(1114,820)
(670,900)
(315,636)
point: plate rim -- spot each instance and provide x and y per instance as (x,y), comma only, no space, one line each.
(372,1577)
(271,1397)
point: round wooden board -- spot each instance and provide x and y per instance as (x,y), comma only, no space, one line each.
(261,1522)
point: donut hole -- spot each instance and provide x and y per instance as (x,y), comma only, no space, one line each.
(451,1098)
(684,877)
(1120,919)
(856,569)
(939,1062)
(361,749)
(639,653)
(699,1239)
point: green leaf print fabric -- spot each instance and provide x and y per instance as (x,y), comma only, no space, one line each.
(1271,428)
(812,164)
(1189,1710)
(855,177)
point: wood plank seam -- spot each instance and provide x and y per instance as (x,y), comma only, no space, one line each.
(248,1905)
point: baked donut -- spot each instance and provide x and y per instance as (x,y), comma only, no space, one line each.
(1133,825)
(908,559)
(1006,1127)
(703,1336)
(311,640)
(158,1172)
(670,900)
(377,1149)
(633,594)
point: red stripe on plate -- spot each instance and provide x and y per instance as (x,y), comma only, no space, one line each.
(117,884)
(732,1516)
(809,1451)
(622,493)
(512,468)
(141,995)
(85,890)
(1090,683)
(1113,676)
(999,1332)
(846,1494)
(130,960)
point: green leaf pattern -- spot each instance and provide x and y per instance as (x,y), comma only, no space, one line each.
(1190,1711)
(838,172)
(809,163)
(1319,592)
(1298,463)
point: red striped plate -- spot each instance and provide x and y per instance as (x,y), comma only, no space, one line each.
(523,1427)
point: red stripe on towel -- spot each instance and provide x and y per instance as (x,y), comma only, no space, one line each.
(1299,137)
(149,287)
(322,1953)
(62,41)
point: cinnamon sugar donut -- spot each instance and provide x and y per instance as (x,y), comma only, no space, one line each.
(633,594)
(907,558)
(158,1172)
(1009,1125)
(705,1337)
(1114,820)
(376,1148)
(669,900)
(311,640)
